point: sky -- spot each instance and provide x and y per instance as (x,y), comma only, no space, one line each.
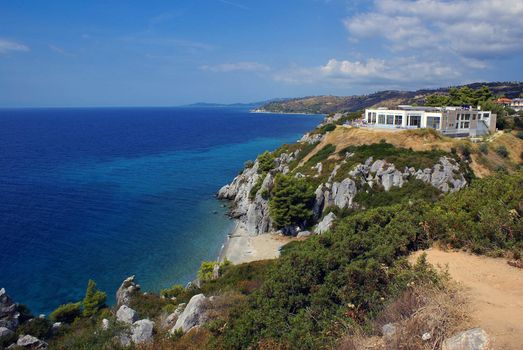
(166,53)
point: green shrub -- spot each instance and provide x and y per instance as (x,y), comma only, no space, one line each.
(173,292)
(520,135)
(291,202)
(483,148)
(321,155)
(150,305)
(66,313)
(257,186)
(94,299)
(265,162)
(327,128)
(37,327)
(502,151)
(205,273)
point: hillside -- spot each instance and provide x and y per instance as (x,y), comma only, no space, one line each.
(332,104)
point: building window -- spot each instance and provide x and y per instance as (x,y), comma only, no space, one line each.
(415,120)
(466,117)
(373,118)
(473,117)
(433,122)
(398,120)
(465,125)
(390,120)
(381,119)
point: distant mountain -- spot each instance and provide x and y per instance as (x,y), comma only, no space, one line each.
(250,105)
(389,98)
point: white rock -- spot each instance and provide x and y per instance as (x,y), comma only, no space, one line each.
(142,331)
(193,315)
(426,336)
(105,324)
(126,314)
(325,224)
(5,332)
(28,341)
(472,339)
(389,330)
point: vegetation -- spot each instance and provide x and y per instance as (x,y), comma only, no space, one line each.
(321,155)
(291,202)
(502,151)
(266,162)
(94,299)
(66,313)
(464,96)
(205,273)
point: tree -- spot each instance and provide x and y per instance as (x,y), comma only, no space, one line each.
(292,201)
(66,313)
(265,162)
(94,299)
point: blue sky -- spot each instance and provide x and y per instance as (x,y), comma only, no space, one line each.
(161,53)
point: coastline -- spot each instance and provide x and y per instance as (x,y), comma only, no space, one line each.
(241,247)
(258,111)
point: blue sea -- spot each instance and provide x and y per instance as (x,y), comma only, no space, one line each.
(104,193)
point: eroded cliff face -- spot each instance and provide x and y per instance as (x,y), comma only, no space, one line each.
(337,190)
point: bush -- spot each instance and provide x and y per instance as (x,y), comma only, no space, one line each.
(292,201)
(173,292)
(520,135)
(265,162)
(205,273)
(502,151)
(66,313)
(37,327)
(94,299)
(321,155)
(483,148)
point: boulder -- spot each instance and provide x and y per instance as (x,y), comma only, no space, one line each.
(343,193)
(194,314)
(325,224)
(5,332)
(389,330)
(304,234)
(105,324)
(142,331)
(30,342)
(126,314)
(472,339)
(126,290)
(9,316)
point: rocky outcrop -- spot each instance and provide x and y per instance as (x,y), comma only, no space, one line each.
(9,316)
(142,331)
(252,210)
(194,314)
(325,224)
(126,290)
(472,339)
(311,138)
(5,332)
(126,315)
(30,342)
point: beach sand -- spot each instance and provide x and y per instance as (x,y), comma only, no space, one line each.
(242,247)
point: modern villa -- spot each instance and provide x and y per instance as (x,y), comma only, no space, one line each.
(450,121)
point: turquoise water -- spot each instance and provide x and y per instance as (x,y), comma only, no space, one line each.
(106,193)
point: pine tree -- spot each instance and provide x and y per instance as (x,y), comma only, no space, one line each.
(94,299)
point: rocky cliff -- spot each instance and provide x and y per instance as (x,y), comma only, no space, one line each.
(338,180)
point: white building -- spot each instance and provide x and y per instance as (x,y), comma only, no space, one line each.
(451,121)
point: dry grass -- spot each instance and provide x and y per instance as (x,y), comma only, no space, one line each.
(486,164)
(439,311)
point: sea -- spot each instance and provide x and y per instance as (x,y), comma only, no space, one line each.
(105,193)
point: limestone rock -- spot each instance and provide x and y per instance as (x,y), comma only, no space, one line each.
(9,316)
(126,314)
(389,330)
(5,332)
(105,324)
(142,331)
(343,194)
(30,342)
(325,224)
(472,339)
(125,291)
(318,202)
(304,234)
(194,314)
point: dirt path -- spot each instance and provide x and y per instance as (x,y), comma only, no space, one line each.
(495,291)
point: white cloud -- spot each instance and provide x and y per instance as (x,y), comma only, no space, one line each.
(402,71)
(235,67)
(8,45)
(479,29)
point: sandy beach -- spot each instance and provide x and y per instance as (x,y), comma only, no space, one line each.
(242,247)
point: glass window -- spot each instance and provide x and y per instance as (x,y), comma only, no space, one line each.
(466,117)
(398,120)
(473,117)
(433,122)
(415,120)
(390,120)
(381,119)
(373,118)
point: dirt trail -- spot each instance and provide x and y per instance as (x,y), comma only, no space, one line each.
(495,291)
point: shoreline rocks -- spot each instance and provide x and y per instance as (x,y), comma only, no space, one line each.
(193,315)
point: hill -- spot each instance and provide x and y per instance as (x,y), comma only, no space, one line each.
(389,98)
